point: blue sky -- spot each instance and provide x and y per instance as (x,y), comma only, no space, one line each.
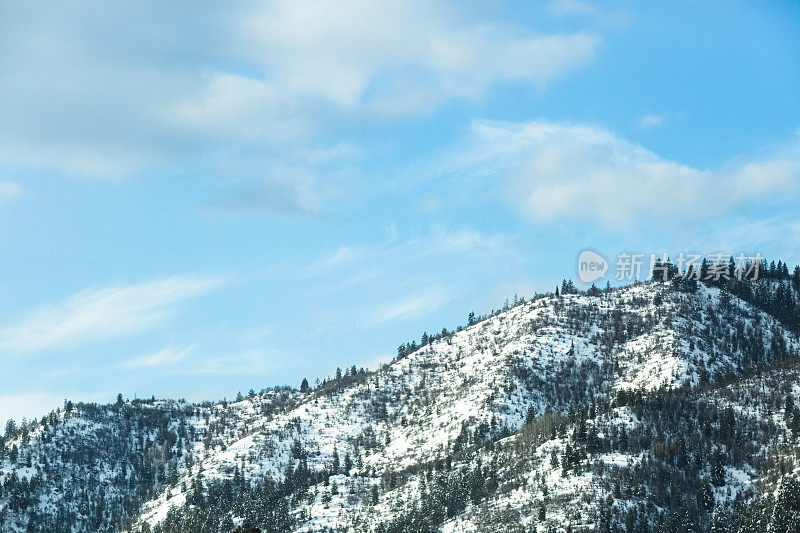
(198,199)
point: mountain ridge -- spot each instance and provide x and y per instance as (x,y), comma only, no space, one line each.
(512,422)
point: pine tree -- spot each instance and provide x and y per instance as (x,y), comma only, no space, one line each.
(335,466)
(348,464)
(401,351)
(531,414)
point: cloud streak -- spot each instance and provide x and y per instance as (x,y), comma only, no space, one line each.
(417,305)
(9,190)
(553,171)
(166,357)
(104,313)
(252,361)
(651,121)
(439,240)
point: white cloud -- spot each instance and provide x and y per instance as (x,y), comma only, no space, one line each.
(651,121)
(359,279)
(105,89)
(344,254)
(755,178)
(571,7)
(104,313)
(240,109)
(400,57)
(556,170)
(341,151)
(252,361)
(443,240)
(203,357)
(610,18)
(438,240)
(166,357)
(418,305)
(9,190)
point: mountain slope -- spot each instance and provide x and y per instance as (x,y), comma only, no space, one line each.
(649,406)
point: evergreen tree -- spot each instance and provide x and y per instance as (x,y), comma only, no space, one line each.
(335,464)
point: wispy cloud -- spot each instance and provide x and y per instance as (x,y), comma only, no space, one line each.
(9,190)
(557,170)
(166,357)
(651,121)
(612,18)
(571,7)
(103,313)
(444,240)
(343,255)
(227,353)
(413,306)
(341,151)
(438,240)
(252,361)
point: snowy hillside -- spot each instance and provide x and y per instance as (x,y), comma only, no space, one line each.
(651,406)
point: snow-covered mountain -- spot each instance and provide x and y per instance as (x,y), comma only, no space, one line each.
(657,406)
